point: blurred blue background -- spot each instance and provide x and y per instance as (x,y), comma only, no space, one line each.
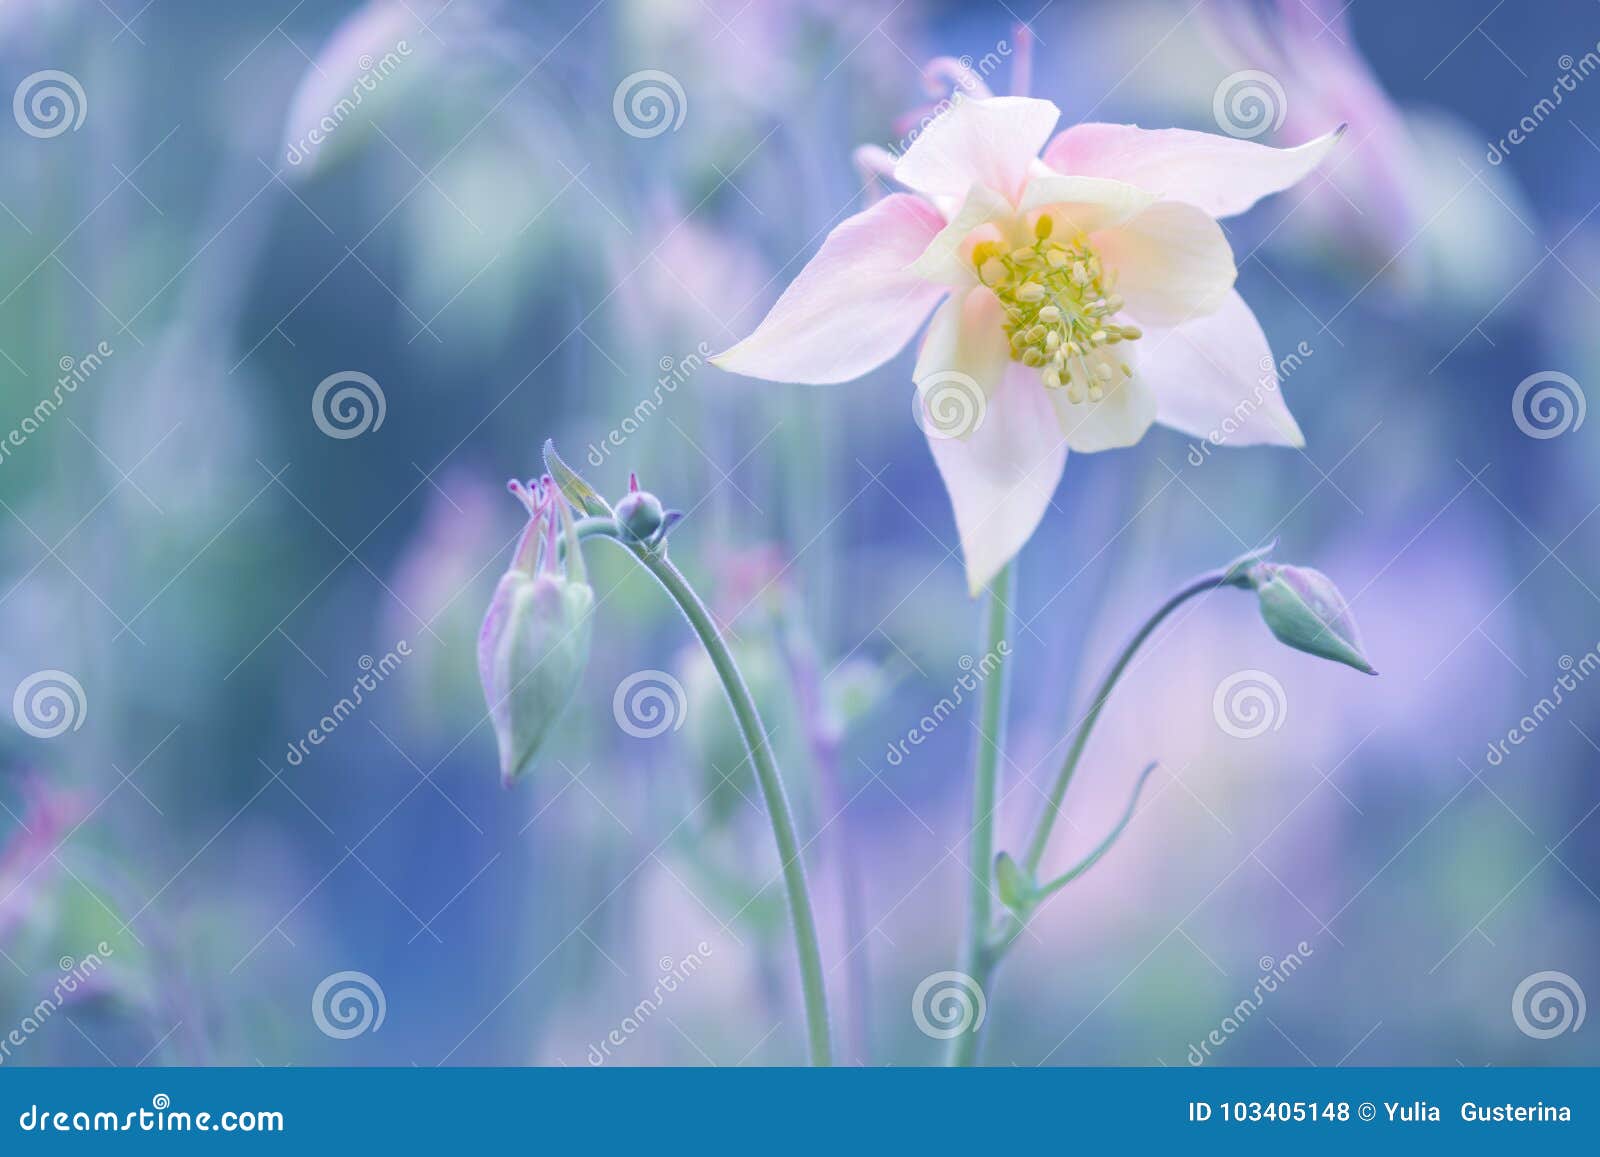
(507,256)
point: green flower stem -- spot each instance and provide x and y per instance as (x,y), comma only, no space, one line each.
(999,941)
(1199,585)
(654,560)
(977,959)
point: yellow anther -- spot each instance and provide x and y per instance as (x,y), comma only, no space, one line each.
(1058,307)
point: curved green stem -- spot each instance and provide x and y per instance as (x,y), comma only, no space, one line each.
(654,560)
(976,959)
(1046,890)
(1199,585)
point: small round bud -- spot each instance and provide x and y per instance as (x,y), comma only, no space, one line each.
(639,514)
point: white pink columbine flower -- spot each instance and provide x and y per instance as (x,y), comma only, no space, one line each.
(1086,294)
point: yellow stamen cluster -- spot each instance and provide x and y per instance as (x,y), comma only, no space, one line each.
(1059,302)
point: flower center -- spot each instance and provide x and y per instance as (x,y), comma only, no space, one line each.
(1058,301)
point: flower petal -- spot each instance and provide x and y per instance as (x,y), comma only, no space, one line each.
(1172,263)
(978,142)
(853,306)
(1215,378)
(1087,204)
(966,346)
(943,260)
(1120,418)
(1222,175)
(1001,479)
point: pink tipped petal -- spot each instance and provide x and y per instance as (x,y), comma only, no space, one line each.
(853,306)
(1086,204)
(1222,175)
(966,348)
(1215,378)
(978,142)
(943,261)
(1172,262)
(1118,419)
(1001,478)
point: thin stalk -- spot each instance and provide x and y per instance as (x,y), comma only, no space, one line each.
(654,560)
(976,960)
(1001,939)
(823,740)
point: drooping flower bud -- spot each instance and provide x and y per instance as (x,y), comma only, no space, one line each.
(1305,611)
(535,639)
(639,513)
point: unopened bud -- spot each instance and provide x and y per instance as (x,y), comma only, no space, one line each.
(534,644)
(1305,611)
(639,513)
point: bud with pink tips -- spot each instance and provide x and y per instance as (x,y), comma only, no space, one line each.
(534,644)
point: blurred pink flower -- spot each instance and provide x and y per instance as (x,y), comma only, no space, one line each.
(1368,200)
(1049,271)
(47,818)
